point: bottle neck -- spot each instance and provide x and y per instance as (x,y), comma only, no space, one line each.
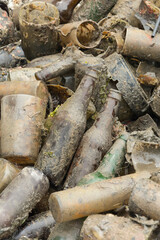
(107,113)
(84,91)
(80,99)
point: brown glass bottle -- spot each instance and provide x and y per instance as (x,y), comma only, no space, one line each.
(95,142)
(68,126)
(65,8)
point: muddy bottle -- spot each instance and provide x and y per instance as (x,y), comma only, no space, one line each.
(145,198)
(33,88)
(65,8)
(21,127)
(103,196)
(108,168)
(94,10)
(111,162)
(95,142)
(38,226)
(67,129)
(110,165)
(19,198)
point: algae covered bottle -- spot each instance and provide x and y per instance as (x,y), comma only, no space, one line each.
(67,129)
(95,142)
(93,9)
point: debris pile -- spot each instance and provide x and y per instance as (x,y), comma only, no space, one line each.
(80,119)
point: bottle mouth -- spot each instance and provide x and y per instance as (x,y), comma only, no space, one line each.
(38,14)
(113,93)
(85,34)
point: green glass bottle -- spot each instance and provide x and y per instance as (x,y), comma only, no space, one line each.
(95,142)
(111,163)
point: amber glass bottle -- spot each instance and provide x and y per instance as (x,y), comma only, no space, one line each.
(65,8)
(67,129)
(95,142)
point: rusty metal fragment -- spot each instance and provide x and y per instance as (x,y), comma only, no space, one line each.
(148,14)
(148,67)
(148,74)
(148,79)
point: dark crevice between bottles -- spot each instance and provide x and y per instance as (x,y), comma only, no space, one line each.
(4,7)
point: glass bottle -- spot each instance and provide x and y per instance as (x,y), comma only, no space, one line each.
(67,129)
(95,142)
(111,163)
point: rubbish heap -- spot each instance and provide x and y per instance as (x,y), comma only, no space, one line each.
(80,120)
